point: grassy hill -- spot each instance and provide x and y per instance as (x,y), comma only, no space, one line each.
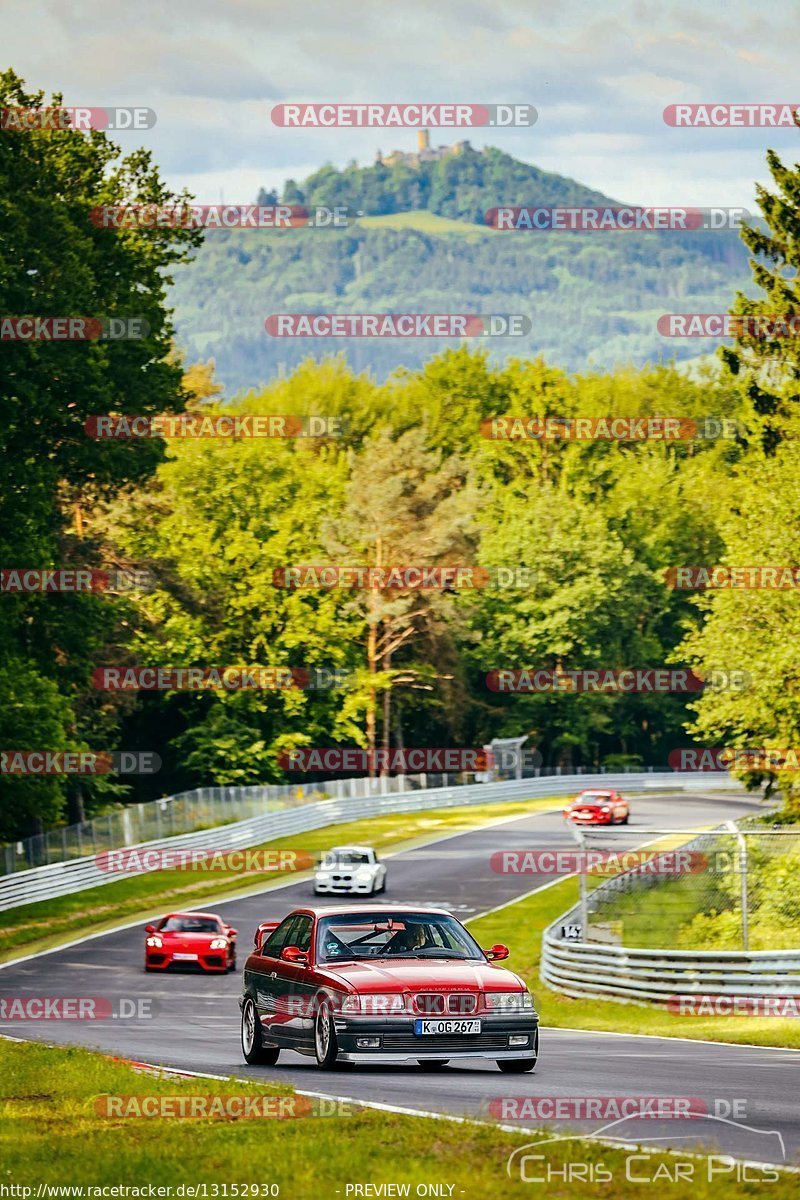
(593,298)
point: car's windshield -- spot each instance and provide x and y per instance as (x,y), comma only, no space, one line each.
(593,798)
(190,925)
(345,858)
(393,935)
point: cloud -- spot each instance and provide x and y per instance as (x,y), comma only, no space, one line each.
(599,78)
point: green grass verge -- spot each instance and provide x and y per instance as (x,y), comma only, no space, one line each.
(425,222)
(521,924)
(702,911)
(47,923)
(51,1134)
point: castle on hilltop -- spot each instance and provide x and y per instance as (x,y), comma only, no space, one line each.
(425,152)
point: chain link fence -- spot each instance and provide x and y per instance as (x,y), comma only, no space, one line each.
(732,888)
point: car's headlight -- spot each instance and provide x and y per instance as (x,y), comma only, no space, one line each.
(606,808)
(506,1001)
(375,1004)
(219,944)
(363,873)
(155,942)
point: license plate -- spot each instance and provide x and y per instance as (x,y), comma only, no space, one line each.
(185,957)
(444,1027)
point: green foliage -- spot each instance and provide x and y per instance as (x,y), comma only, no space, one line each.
(55,262)
(767,366)
(414,482)
(461,186)
(593,300)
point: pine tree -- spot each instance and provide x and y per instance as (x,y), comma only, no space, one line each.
(767,363)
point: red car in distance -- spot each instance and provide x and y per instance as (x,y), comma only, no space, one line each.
(383,984)
(190,939)
(598,807)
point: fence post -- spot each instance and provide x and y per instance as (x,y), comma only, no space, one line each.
(743,868)
(582,882)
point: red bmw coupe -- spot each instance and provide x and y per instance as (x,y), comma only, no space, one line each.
(395,984)
(190,940)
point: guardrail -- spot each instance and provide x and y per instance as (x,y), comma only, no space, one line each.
(60,879)
(580,967)
(207,807)
(587,969)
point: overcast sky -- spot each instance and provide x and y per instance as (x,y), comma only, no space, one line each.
(599,75)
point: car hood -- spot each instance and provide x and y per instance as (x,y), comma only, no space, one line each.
(414,975)
(346,868)
(188,941)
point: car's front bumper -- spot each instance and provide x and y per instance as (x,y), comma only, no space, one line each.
(325,887)
(399,1043)
(215,960)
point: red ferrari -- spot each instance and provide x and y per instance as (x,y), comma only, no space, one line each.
(598,808)
(374,984)
(191,939)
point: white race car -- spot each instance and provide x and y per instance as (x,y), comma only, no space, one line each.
(352,870)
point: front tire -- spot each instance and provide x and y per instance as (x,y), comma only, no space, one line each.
(516,1066)
(326,1047)
(254,1051)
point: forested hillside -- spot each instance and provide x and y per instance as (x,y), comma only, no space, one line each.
(593,299)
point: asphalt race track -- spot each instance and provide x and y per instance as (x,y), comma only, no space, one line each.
(196,1025)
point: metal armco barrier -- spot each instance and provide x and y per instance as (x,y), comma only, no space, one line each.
(60,879)
(581,969)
